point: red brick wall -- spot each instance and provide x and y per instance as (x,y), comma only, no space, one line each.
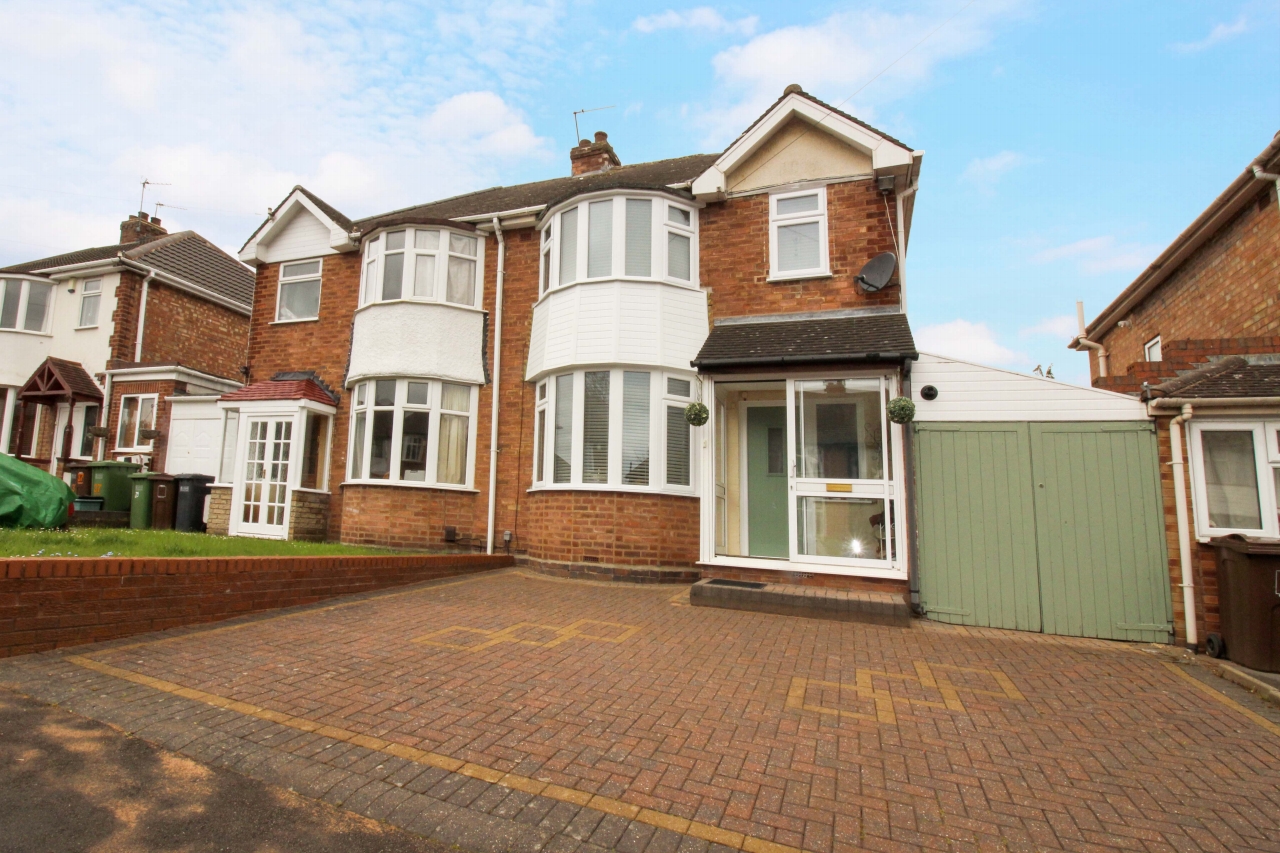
(1229,288)
(124,319)
(181,328)
(1204,562)
(408,517)
(734,248)
(610,527)
(322,345)
(46,604)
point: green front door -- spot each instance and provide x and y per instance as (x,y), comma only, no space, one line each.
(767,530)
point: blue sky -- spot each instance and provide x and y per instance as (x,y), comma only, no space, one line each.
(1067,143)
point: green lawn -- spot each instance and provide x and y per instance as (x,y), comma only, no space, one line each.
(123,542)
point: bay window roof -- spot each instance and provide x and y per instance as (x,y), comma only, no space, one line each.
(807,340)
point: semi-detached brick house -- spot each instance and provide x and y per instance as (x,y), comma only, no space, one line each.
(585,314)
(136,336)
(1197,336)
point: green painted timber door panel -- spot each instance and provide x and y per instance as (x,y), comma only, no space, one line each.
(767,532)
(976,525)
(1101,538)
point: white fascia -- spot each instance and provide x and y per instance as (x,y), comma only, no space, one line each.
(884,153)
(177,373)
(339,239)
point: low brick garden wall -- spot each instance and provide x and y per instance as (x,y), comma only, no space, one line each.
(47,604)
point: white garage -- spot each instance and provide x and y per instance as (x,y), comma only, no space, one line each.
(195,427)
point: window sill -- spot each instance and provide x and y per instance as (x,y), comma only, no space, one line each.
(127,451)
(685,285)
(293,322)
(85,328)
(29,332)
(439,302)
(672,491)
(401,484)
(808,276)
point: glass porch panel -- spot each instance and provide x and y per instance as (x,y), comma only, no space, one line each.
(847,528)
(839,429)
(742,474)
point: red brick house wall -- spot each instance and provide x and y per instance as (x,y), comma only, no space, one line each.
(734,248)
(180,328)
(322,345)
(162,389)
(1227,289)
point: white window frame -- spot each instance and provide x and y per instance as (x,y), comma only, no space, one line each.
(78,434)
(372,263)
(819,216)
(85,295)
(281,280)
(24,295)
(155,414)
(549,270)
(1266,454)
(401,405)
(541,413)
(1152,345)
(658,402)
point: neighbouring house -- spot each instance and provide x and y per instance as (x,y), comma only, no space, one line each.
(511,369)
(1196,337)
(134,341)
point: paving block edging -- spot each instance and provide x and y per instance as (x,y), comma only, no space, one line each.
(52,603)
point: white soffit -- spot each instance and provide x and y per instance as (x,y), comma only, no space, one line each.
(339,239)
(884,153)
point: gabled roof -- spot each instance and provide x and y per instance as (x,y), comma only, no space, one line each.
(1231,377)
(79,256)
(875,337)
(60,380)
(1241,191)
(289,389)
(885,151)
(298,199)
(193,259)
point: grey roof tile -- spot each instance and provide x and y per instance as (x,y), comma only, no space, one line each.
(192,258)
(807,341)
(1231,377)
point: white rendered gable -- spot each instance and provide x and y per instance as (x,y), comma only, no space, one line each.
(297,229)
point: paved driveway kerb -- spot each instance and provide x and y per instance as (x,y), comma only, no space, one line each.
(515,712)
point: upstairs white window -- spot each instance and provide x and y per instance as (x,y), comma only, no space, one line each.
(137,412)
(620,237)
(798,234)
(90,300)
(24,305)
(614,428)
(422,264)
(417,431)
(1151,349)
(299,292)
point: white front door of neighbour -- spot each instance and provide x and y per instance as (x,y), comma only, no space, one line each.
(264,497)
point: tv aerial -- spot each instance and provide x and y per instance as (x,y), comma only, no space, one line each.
(876,272)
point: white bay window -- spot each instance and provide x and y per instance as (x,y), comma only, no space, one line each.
(620,237)
(422,264)
(413,431)
(616,428)
(24,304)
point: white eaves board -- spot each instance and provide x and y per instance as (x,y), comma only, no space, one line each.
(970,392)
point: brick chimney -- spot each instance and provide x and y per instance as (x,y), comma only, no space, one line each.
(140,229)
(591,157)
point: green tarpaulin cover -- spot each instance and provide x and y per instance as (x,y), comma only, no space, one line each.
(31,498)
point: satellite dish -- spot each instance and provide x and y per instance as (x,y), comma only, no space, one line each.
(876,272)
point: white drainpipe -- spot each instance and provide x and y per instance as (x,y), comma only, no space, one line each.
(1083,341)
(142,315)
(497,375)
(1184,530)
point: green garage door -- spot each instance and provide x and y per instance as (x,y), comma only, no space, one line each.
(1043,526)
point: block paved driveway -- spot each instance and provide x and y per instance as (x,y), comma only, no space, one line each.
(514,712)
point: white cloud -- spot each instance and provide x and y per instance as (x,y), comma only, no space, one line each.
(1217,35)
(1097,255)
(1063,326)
(702,18)
(985,172)
(840,54)
(232,107)
(968,341)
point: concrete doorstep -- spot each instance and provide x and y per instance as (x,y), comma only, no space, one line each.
(876,608)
